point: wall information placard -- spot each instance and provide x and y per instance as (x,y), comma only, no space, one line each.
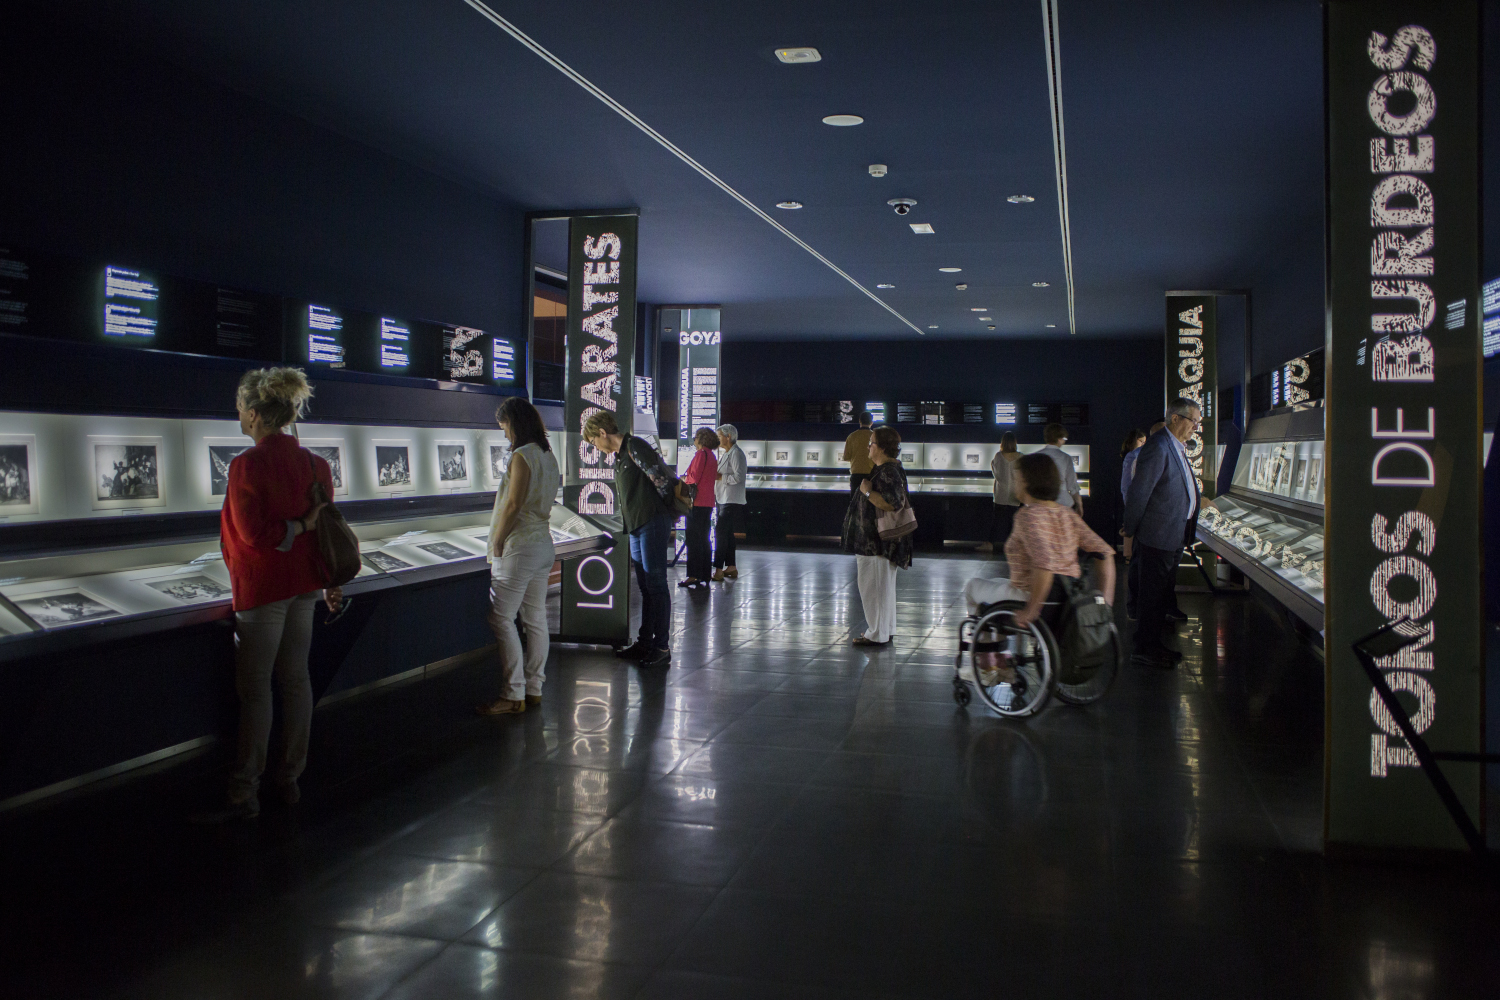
(1403,377)
(698,361)
(601,344)
(1193,373)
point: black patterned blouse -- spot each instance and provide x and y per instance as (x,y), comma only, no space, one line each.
(861,535)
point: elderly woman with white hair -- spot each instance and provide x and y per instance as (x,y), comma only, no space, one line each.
(729,492)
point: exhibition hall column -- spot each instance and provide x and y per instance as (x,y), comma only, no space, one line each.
(1403,376)
(696,330)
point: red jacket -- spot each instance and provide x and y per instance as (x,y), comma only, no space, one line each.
(702,471)
(269,486)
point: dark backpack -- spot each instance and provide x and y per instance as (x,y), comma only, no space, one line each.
(1087,627)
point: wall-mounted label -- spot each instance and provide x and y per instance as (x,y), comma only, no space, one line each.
(645,393)
(130,303)
(1193,374)
(395,344)
(1403,435)
(1005,413)
(502,360)
(1491,310)
(876,412)
(324,329)
(601,344)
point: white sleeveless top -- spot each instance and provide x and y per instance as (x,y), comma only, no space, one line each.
(536,508)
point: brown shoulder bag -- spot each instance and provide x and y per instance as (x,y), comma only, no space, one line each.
(338,548)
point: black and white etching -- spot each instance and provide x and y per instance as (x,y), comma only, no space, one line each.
(191,589)
(453,463)
(219,457)
(385,562)
(127,474)
(70,608)
(393,467)
(445,550)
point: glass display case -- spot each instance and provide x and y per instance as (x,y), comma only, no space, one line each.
(1270,523)
(932,467)
(106,519)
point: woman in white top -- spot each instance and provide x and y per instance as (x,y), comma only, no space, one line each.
(729,492)
(521,556)
(1003,465)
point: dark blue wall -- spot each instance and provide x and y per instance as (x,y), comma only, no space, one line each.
(108,152)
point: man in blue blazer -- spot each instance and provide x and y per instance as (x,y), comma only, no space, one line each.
(1161,509)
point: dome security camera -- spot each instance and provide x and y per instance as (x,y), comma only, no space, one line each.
(903,206)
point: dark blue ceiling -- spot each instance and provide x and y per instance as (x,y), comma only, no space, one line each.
(1194,135)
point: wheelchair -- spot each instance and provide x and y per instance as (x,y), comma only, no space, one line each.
(1016,669)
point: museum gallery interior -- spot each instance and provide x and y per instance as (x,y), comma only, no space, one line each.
(975,494)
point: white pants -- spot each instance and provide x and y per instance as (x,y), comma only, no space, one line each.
(877,592)
(272,641)
(982,591)
(518,581)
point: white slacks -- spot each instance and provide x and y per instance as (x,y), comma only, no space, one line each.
(518,581)
(877,592)
(985,591)
(272,641)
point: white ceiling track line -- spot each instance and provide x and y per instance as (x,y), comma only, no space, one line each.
(624,112)
(1059,145)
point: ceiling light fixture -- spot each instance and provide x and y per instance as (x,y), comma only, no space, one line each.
(885,286)
(789,204)
(922,227)
(950,270)
(986,319)
(933,327)
(991,328)
(799,55)
(1041,284)
(1020,199)
(961,287)
(1052,326)
(843,121)
(978,309)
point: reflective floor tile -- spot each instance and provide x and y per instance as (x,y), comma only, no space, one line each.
(628,847)
(468,971)
(778,731)
(596,919)
(566,789)
(748,762)
(643,752)
(696,799)
(499,834)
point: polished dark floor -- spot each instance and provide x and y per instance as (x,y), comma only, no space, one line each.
(779,815)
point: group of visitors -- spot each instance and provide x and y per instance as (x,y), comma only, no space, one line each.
(717,474)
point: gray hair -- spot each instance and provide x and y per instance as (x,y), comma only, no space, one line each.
(1183,408)
(729,431)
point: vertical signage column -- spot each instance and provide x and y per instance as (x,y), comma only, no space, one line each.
(601,349)
(697,376)
(1403,378)
(1193,373)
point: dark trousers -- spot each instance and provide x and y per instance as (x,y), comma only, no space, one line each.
(855,478)
(1001,523)
(1133,582)
(729,523)
(1156,592)
(648,552)
(698,557)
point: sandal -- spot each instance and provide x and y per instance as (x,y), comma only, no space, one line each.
(501,706)
(860,640)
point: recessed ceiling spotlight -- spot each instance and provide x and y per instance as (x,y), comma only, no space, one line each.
(933,327)
(1020,199)
(991,328)
(799,55)
(986,319)
(885,286)
(843,120)
(950,270)
(922,227)
(1052,326)
(789,204)
(1041,284)
(978,309)
(961,287)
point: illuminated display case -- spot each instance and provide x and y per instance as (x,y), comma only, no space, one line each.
(1270,523)
(931,467)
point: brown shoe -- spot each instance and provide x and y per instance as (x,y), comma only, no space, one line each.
(533,700)
(731,573)
(501,706)
(718,576)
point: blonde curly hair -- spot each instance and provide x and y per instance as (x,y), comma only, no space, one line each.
(279,395)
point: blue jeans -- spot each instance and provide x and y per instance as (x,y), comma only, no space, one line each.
(648,552)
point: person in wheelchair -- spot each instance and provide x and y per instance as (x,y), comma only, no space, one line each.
(1044,543)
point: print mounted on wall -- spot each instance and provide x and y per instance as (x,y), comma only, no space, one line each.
(499,453)
(222,451)
(453,464)
(18,486)
(125,472)
(393,470)
(331,450)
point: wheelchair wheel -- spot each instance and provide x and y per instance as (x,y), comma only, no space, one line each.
(1094,683)
(1023,689)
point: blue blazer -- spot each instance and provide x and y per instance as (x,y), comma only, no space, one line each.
(1157,511)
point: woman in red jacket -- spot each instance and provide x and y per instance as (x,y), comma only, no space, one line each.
(275,573)
(702,472)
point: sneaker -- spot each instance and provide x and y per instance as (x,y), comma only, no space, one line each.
(634,651)
(657,658)
(502,706)
(230,812)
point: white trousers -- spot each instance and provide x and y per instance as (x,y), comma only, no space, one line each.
(272,641)
(518,582)
(983,591)
(877,592)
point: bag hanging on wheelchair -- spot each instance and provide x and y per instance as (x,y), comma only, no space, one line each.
(1086,626)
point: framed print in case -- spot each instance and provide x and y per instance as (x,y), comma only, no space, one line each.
(393,468)
(332,451)
(454,466)
(61,608)
(222,451)
(18,485)
(125,472)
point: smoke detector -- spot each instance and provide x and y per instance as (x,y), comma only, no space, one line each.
(805,54)
(961,286)
(877,170)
